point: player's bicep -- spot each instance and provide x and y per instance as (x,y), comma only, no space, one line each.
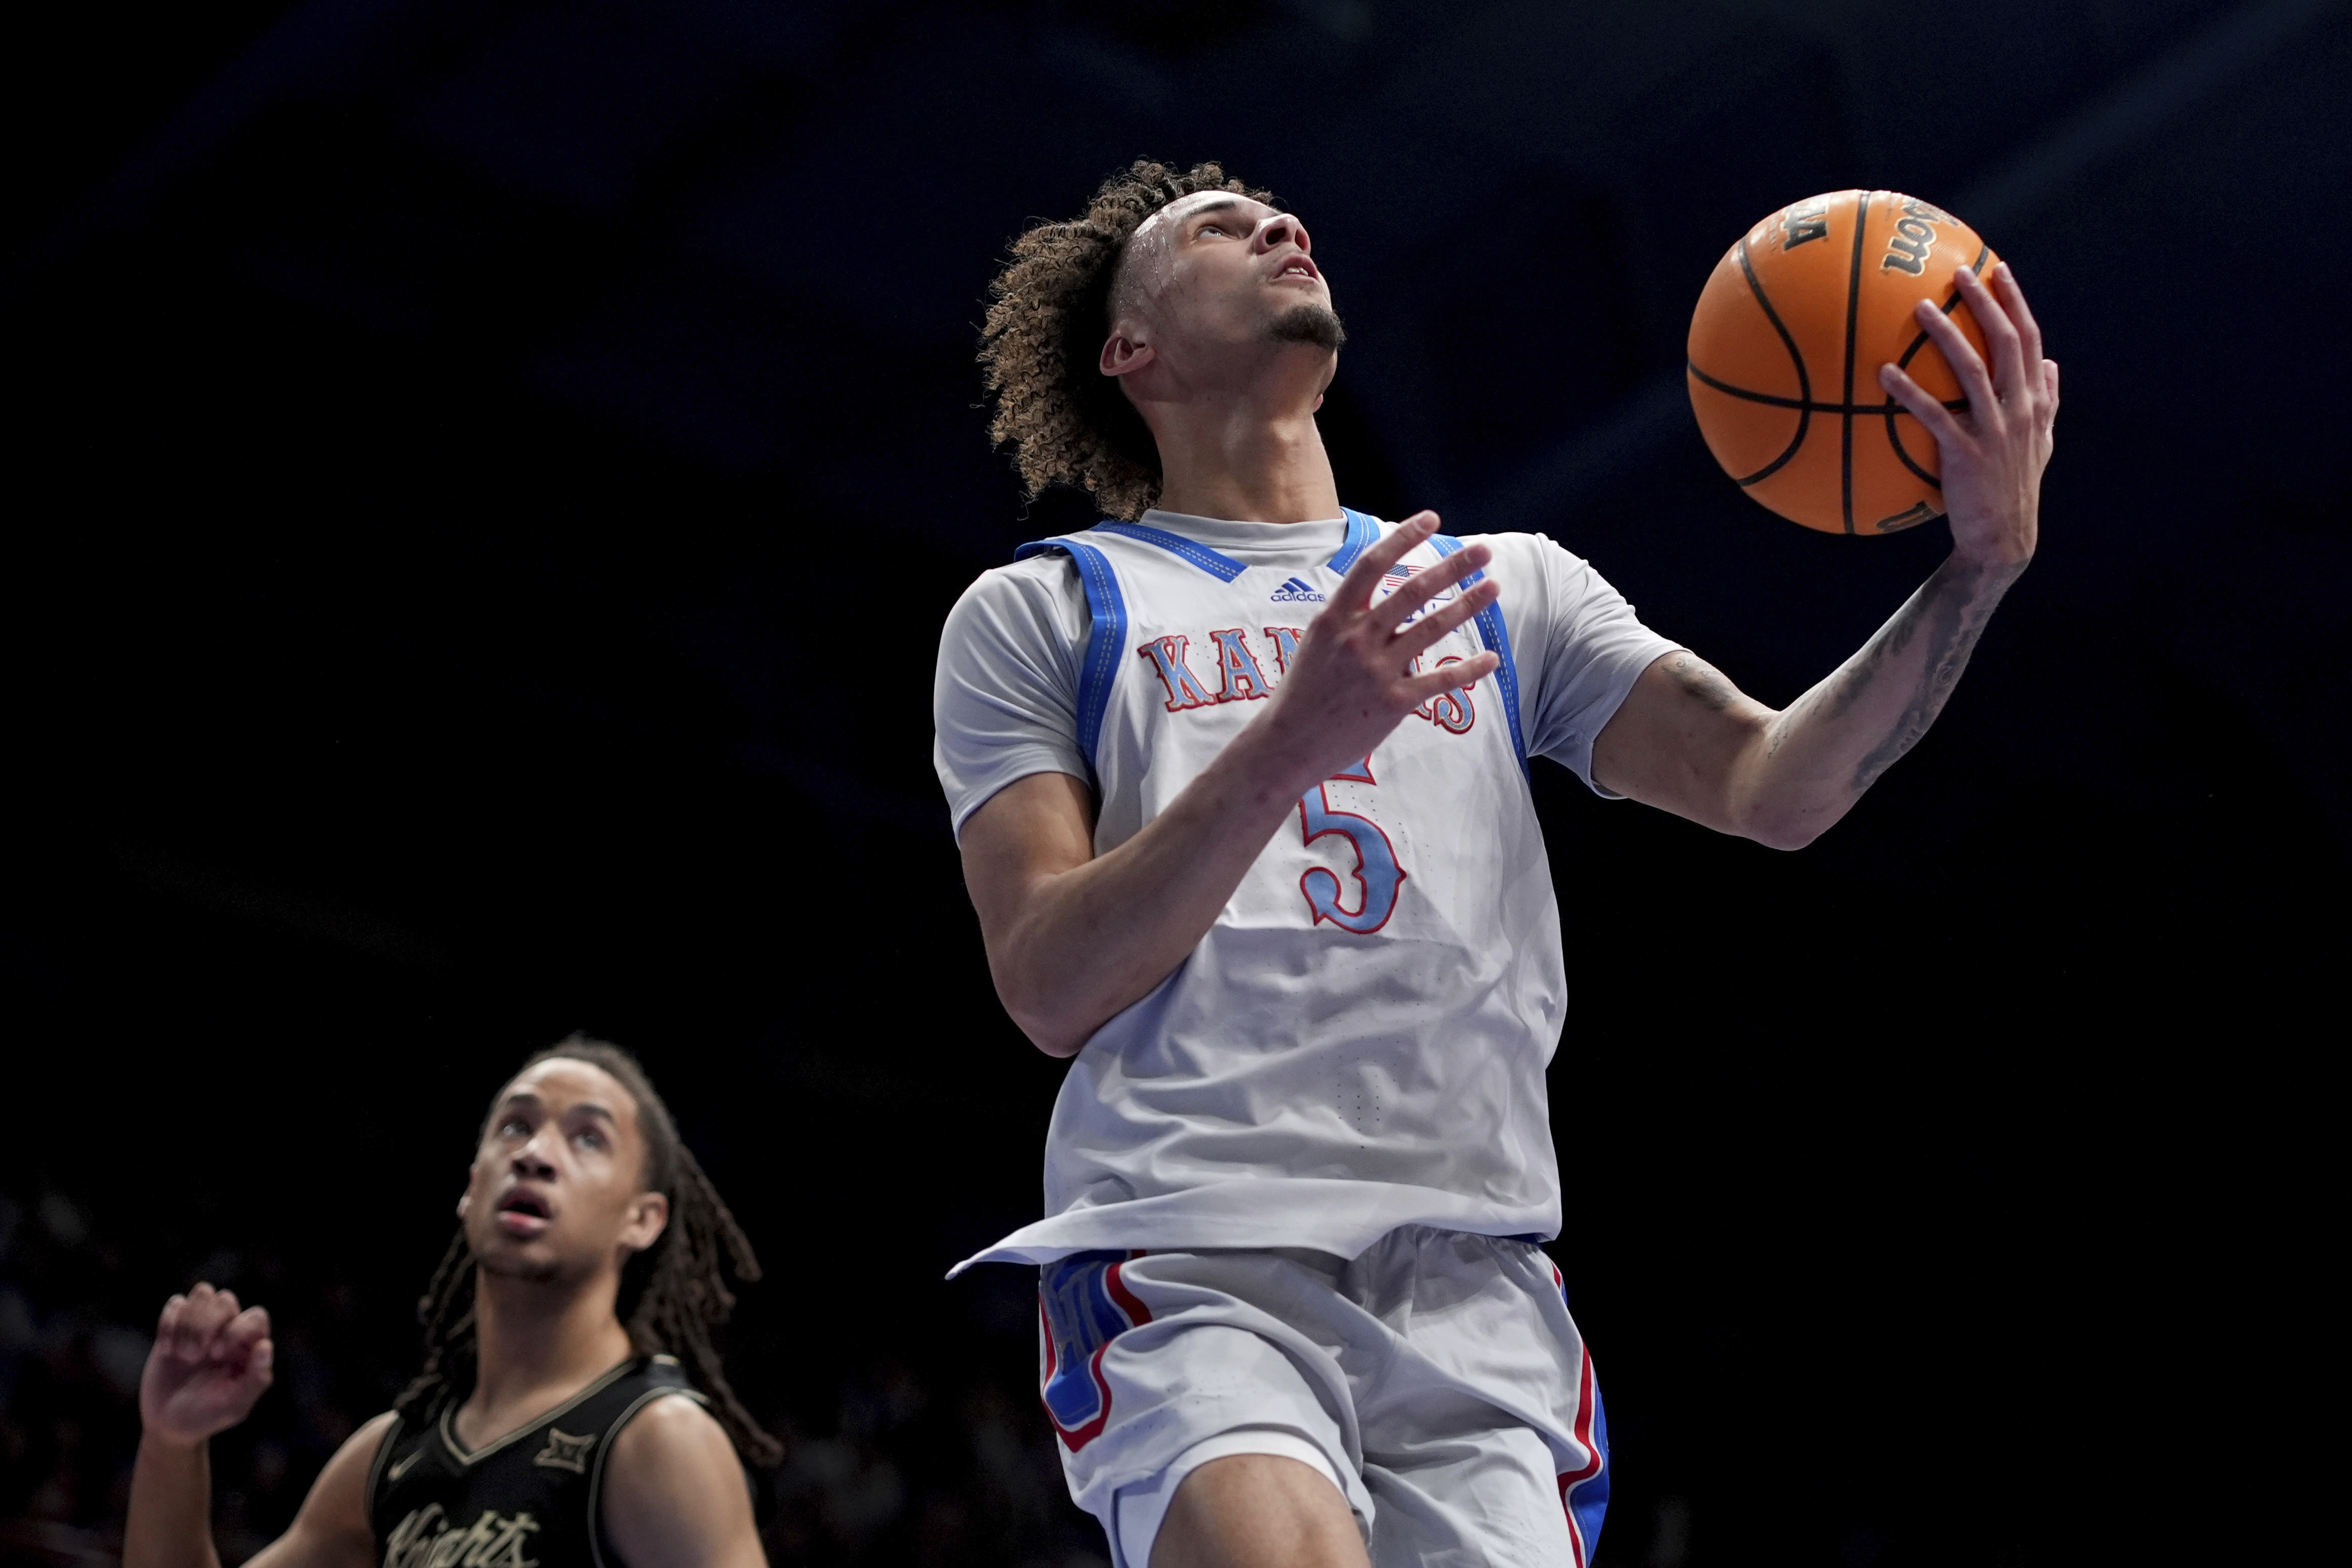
(675,1496)
(332,1530)
(1679,739)
(1032,829)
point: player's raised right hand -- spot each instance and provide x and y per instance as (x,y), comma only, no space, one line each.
(210,1362)
(1351,682)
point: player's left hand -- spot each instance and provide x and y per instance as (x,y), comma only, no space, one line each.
(1992,453)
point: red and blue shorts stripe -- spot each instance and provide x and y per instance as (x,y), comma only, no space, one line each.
(1585,1491)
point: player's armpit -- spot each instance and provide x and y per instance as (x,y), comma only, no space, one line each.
(676,1497)
(332,1530)
(1685,740)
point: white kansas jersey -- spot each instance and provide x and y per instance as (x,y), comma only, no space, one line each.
(1360,1041)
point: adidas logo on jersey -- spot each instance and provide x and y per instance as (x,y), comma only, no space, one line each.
(1295,592)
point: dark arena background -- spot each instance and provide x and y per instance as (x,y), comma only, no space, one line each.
(485,485)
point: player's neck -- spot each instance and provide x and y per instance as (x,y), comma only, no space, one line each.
(1250,458)
(538,1342)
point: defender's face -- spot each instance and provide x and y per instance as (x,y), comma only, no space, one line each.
(1215,268)
(555,1191)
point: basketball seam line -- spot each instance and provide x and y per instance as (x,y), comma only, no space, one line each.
(1872,410)
(1852,313)
(1804,382)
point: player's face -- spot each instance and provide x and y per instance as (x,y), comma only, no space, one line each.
(554,1189)
(1216,270)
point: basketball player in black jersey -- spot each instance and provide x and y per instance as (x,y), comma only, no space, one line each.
(571,1408)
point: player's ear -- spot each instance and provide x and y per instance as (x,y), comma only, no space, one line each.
(648,1217)
(466,1199)
(1123,352)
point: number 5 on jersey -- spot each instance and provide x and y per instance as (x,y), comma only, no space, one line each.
(1378,875)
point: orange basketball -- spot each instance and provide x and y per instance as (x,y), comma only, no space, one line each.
(1785,348)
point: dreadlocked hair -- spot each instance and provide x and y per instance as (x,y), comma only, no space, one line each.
(673,1294)
(1040,349)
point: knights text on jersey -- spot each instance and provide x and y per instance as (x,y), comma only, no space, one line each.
(531,1497)
(1360,1041)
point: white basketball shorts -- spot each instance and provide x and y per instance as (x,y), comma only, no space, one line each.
(1437,1381)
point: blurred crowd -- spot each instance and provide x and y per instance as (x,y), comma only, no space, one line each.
(886,1461)
(73,1336)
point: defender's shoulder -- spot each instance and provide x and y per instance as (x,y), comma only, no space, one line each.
(672,1425)
(364,1449)
(676,1491)
(332,1529)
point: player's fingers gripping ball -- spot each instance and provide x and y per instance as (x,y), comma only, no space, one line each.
(1785,348)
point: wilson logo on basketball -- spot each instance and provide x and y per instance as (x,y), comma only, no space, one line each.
(1913,237)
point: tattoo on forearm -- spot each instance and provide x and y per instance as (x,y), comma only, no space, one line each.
(1951,610)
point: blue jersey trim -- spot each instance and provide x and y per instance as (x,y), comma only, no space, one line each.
(1223,568)
(1108,610)
(1362,532)
(1498,638)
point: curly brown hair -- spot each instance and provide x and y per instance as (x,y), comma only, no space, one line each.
(1066,421)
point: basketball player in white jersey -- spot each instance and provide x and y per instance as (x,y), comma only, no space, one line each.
(1239,782)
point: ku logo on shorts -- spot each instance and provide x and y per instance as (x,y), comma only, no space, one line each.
(1082,1306)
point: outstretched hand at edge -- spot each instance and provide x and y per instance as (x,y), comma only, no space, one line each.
(210,1363)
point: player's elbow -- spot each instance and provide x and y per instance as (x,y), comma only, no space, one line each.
(1030,1000)
(1045,1036)
(1034,982)
(1791,829)
(1782,825)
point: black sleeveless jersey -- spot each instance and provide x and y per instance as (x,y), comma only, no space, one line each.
(532,1497)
